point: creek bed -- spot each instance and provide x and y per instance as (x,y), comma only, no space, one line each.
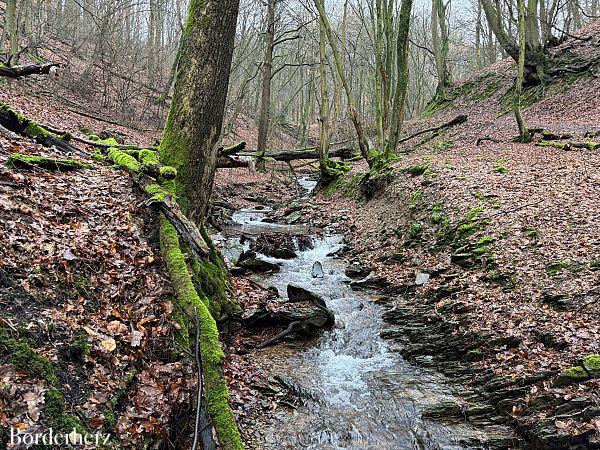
(366,395)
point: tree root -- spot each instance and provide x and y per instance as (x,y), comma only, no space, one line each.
(291,328)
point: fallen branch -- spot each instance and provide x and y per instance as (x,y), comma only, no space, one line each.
(486,138)
(549,135)
(17,123)
(279,336)
(458,120)
(280,155)
(67,136)
(233,149)
(19,161)
(28,69)
(589,145)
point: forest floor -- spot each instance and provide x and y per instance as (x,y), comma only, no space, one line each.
(508,234)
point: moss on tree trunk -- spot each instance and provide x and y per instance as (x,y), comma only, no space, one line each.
(190,303)
(193,128)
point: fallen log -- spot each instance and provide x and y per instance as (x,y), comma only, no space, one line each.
(486,138)
(67,136)
(17,123)
(589,145)
(20,161)
(235,160)
(142,161)
(458,120)
(161,199)
(232,149)
(28,69)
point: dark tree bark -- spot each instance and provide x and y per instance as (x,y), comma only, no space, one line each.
(193,127)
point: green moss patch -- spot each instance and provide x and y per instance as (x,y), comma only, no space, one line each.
(58,417)
(25,358)
(571,375)
(591,363)
(500,167)
(124,160)
(17,160)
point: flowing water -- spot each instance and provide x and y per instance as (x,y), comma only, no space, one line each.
(367,396)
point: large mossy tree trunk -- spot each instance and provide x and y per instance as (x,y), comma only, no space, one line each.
(191,144)
(193,128)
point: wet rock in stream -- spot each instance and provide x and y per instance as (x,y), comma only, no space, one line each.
(317,270)
(303,313)
(357,271)
(251,263)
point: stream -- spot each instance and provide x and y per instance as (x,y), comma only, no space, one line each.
(366,395)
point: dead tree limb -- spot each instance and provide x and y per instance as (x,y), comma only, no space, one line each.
(20,161)
(188,231)
(17,123)
(232,150)
(486,138)
(67,136)
(28,69)
(458,120)
(280,155)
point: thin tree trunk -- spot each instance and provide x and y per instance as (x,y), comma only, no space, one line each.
(265,101)
(478,37)
(358,126)
(439,40)
(13,34)
(402,77)
(325,135)
(523,133)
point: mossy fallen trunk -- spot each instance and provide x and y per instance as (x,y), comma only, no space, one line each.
(589,145)
(141,161)
(17,123)
(211,353)
(20,161)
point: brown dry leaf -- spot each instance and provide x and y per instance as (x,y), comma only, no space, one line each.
(108,344)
